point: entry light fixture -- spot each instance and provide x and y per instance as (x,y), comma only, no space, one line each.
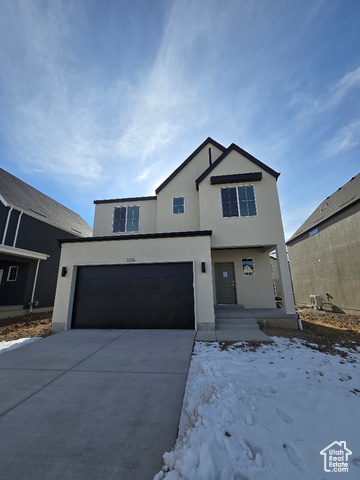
(63,271)
(203,267)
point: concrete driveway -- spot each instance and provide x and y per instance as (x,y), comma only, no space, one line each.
(92,404)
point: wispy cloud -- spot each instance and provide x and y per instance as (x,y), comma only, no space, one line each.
(310,105)
(170,100)
(50,130)
(347,82)
(346,138)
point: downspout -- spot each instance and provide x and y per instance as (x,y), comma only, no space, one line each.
(34,286)
(6,225)
(17,228)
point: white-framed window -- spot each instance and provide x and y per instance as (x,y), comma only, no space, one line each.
(12,274)
(238,201)
(178,205)
(126,219)
(247,266)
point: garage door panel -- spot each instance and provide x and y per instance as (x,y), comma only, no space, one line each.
(134,296)
(179,303)
(180,285)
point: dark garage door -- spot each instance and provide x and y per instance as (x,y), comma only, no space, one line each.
(134,296)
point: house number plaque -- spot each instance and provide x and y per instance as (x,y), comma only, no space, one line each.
(130,260)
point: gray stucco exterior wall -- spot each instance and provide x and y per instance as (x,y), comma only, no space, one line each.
(327,263)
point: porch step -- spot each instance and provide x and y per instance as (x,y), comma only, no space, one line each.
(235,321)
(236,324)
(225,326)
(233,336)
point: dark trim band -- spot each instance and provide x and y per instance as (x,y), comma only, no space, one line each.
(237,178)
(140,236)
(117,200)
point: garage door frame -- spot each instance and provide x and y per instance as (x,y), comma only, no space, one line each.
(165,304)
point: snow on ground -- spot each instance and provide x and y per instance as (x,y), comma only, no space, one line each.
(266,413)
(6,346)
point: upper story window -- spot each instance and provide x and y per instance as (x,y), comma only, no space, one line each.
(178,205)
(126,219)
(238,201)
(12,274)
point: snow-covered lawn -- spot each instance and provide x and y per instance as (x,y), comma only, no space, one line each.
(6,346)
(266,413)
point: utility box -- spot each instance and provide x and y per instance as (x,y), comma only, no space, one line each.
(316,302)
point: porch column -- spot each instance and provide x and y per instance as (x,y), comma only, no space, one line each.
(285,279)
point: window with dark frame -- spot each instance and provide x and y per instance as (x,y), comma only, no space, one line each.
(238,201)
(126,219)
(178,205)
(248,267)
(12,274)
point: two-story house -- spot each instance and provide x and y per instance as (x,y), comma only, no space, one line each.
(165,261)
(30,225)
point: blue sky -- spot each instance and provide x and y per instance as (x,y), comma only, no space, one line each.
(104,99)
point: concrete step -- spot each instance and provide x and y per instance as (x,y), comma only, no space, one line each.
(225,326)
(242,335)
(236,324)
(232,336)
(234,315)
(235,321)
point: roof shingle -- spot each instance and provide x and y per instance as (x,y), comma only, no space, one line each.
(20,195)
(345,196)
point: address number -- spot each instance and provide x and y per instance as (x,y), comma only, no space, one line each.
(129,260)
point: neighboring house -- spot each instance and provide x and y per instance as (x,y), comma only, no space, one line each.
(30,225)
(324,252)
(164,261)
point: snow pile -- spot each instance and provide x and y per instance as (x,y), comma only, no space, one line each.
(7,346)
(265,413)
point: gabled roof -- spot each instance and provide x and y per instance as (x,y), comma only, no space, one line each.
(188,160)
(343,198)
(18,194)
(244,154)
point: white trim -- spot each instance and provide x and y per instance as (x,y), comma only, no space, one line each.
(10,270)
(6,225)
(17,228)
(19,252)
(126,218)
(2,199)
(179,213)
(238,203)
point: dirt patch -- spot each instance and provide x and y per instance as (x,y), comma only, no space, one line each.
(25,326)
(324,331)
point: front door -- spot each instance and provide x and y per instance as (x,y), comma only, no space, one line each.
(225,283)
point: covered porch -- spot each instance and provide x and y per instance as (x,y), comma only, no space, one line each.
(245,277)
